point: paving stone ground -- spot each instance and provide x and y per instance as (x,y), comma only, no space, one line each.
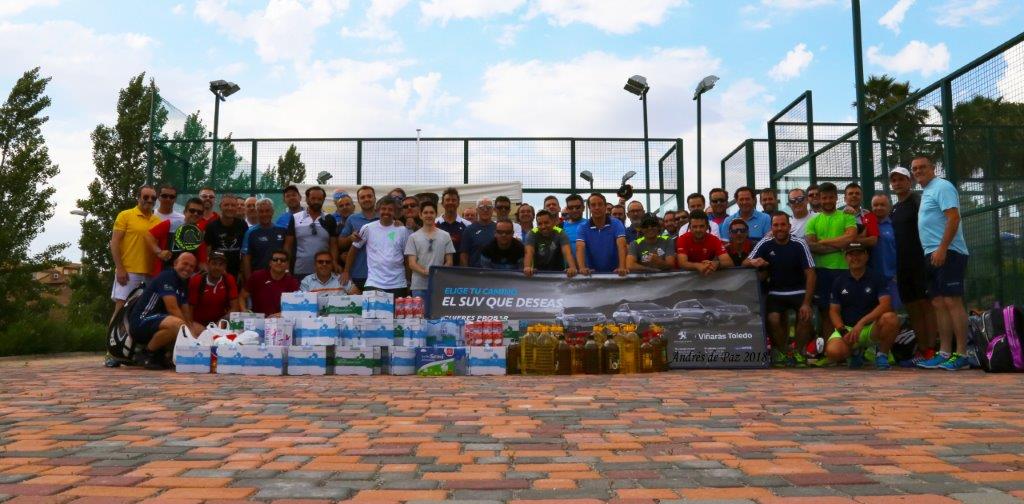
(73,431)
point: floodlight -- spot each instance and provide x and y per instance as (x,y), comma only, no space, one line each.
(223,88)
(627,176)
(586,175)
(80,213)
(637,85)
(323,177)
(705,85)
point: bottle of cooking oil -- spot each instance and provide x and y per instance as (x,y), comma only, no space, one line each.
(599,337)
(591,356)
(563,362)
(646,354)
(610,352)
(545,351)
(512,357)
(526,350)
(629,347)
(660,347)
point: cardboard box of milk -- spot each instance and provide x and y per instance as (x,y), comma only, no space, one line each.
(441,361)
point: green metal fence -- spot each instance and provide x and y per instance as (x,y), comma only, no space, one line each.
(971,121)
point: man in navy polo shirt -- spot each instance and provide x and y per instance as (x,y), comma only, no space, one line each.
(791,280)
(367,199)
(860,310)
(601,242)
(883,255)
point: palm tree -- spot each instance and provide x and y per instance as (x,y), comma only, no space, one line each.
(905,131)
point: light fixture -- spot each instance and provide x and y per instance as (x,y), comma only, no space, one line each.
(80,213)
(323,177)
(627,176)
(705,85)
(223,88)
(637,85)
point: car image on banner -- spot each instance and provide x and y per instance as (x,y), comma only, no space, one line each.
(711,311)
(722,328)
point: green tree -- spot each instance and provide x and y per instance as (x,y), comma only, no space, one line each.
(905,131)
(290,168)
(227,175)
(25,197)
(187,157)
(119,156)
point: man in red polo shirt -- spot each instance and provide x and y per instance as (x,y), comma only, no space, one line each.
(266,286)
(700,251)
(211,295)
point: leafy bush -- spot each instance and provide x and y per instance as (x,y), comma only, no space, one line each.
(40,334)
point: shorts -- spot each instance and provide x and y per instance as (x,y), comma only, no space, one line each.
(120,292)
(823,286)
(360,282)
(911,280)
(948,279)
(142,330)
(782,304)
(865,336)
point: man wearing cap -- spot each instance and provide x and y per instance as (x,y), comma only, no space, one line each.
(652,251)
(477,235)
(861,313)
(211,295)
(945,257)
(293,204)
(343,207)
(700,251)
(910,265)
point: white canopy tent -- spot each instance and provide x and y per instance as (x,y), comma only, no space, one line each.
(468,193)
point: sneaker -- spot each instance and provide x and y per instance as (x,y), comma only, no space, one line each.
(111,362)
(882,362)
(922,356)
(799,361)
(956,362)
(778,358)
(153,360)
(856,361)
(934,363)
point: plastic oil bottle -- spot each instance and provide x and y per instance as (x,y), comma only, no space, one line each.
(545,351)
(591,356)
(629,348)
(512,357)
(646,360)
(660,347)
(610,352)
(563,362)
(526,350)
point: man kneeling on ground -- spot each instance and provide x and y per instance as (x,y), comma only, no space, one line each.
(861,312)
(157,316)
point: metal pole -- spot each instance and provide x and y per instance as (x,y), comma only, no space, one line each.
(699,164)
(252,169)
(867,169)
(572,167)
(647,153)
(417,155)
(152,115)
(680,182)
(216,122)
(948,137)
(812,165)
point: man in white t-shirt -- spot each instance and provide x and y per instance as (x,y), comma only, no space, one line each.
(168,195)
(801,214)
(384,242)
(696,202)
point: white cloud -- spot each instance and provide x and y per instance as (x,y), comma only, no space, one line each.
(618,17)
(796,61)
(894,16)
(796,4)
(284,30)
(1009,84)
(584,97)
(768,13)
(916,56)
(12,7)
(446,10)
(509,34)
(958,13)
(178,9)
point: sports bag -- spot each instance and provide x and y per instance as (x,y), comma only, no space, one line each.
(1004,352)
(120,343)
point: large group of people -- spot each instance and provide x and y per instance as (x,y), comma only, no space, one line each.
(845,269)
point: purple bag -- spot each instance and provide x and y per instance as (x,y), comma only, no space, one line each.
(1004,352)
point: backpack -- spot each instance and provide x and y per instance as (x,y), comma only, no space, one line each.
(120,343)
(1004,352)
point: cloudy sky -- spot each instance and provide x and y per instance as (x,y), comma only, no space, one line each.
(322,68)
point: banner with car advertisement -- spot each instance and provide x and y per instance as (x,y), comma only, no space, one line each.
(710,321)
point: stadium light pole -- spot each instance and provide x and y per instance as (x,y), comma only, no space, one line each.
(221,89)
(865,149)
(637,85)
(589,177)
(705,85)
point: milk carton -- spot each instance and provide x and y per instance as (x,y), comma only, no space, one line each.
(377,332)
(319,331)
(398,360)
(410,332)
(298,304)
(443,332)
(310,360)
(441,361)
(378,305)
(486,360)
(360,361)
(341,305)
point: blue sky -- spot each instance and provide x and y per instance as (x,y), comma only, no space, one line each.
(475,67)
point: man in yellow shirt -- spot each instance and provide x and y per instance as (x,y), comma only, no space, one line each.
(132,258)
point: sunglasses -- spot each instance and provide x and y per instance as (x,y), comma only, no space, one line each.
(324,262)
(312,228)
(503,207)
(195,211)
(430,246)
(168,196)
(148,198)
(738,231)
(719,200)
(503,232)
(798,199)
(410,206)
(279,259)
(485,207)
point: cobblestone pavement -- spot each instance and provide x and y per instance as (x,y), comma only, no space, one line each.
(73,431)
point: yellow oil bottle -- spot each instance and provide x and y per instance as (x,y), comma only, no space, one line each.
(610,352)
(545,351)
(527,345)
(563,362)
(591,356)
(629,349)
(646,356)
